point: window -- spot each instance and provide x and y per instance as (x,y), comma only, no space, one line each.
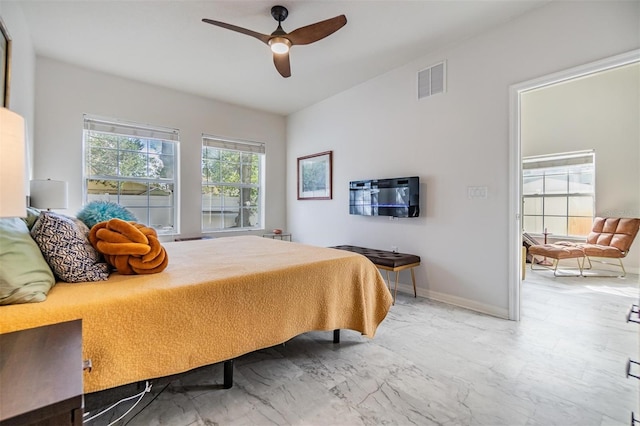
(135,166)
(559,193)
(232,184)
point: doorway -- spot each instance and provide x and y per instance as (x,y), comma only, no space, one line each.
(515,156)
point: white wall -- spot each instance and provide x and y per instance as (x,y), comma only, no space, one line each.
(600,112)
(23,65)
(452,141)
(65,92)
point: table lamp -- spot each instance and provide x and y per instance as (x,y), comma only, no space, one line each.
(13,197)
(49,194)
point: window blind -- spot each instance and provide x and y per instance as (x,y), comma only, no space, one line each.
(244,146)
(562,160)
(123,128)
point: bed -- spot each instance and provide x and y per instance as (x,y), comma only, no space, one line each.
(217,299)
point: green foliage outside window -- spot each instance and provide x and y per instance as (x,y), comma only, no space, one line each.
(122,156)
(230,189)
(135,172)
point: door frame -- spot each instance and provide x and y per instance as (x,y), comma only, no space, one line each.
(515,160)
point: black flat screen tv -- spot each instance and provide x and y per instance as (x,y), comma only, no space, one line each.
(396,197)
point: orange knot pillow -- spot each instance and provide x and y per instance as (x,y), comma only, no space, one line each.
(130,247)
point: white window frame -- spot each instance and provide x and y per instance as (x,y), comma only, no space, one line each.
(116,127)
(552,165)
(241,147)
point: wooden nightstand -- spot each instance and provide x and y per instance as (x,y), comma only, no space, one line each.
(41,375)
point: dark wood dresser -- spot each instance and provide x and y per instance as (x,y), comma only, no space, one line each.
(41,375)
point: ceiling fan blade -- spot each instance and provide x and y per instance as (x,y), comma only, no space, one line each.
(281,61)
(262,37)
(317,31)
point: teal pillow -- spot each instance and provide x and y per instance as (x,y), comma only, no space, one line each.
(100,211)
(24,274)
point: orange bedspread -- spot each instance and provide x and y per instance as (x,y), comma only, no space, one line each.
(218,299)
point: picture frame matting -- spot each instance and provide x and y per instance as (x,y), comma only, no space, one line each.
(315,176)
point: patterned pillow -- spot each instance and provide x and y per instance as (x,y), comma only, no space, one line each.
(65,246)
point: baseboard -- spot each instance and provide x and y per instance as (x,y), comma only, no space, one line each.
(455,300)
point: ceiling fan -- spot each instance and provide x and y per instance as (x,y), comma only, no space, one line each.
(280,41)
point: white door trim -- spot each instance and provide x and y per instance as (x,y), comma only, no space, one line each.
(515,166)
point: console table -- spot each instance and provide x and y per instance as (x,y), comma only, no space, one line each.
(389,261)
(41,375)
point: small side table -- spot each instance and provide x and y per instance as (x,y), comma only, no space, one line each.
(284,236)
(41,375)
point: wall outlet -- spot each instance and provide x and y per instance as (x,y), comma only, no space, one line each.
(477,192)
(394,249)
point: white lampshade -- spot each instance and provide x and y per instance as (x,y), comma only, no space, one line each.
(49,194)
(13,197)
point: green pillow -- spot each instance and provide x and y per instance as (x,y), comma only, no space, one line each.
(24,274)
(32,217)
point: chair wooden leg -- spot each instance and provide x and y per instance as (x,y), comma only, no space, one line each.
(413,280)
(389,286)
(395,291)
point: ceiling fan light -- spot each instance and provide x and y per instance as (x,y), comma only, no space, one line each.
(279,45)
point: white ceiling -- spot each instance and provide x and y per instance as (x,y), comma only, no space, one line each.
(165,43)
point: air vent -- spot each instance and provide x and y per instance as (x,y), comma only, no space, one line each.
(431,81)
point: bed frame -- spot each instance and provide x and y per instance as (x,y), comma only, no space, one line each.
(227,378)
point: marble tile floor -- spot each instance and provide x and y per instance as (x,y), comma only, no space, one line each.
(431,364)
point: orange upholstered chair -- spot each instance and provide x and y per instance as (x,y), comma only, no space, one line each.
(557,252)
(610,238)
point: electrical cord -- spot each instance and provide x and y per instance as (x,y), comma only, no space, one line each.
(152,399)
(140,395)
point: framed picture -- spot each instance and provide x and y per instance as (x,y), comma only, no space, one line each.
(5,65)
(315,176)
